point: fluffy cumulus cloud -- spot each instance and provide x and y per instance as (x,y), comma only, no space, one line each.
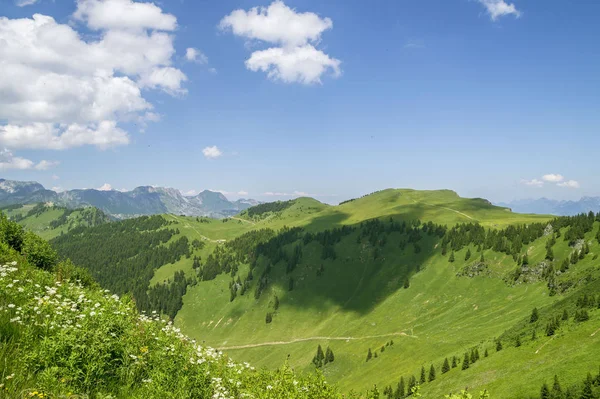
(105,187)
(9,161)
(212,152)
(499,8)
(551,178)
(60,89)
(242,192)
(295,34)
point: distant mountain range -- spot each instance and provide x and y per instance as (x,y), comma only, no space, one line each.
(144,200)
(554,207)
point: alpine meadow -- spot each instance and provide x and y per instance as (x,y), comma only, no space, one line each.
(294,199)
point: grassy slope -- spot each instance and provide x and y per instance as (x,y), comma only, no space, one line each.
(364,300)
(439,315)
(40,224)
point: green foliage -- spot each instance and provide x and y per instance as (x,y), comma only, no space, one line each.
(445,366)
(534,315)
(38,252)
(276,206)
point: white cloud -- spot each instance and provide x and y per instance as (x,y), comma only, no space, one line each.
(190,193)
(123,14)
(553,178)
(296,59)
(9,161)
(499,8)
(55,177)
(59,89)
(242,192)
(105,187)
(212,152)
(277,24)
(58,189)
(195,55)
(23,3)
(212,70)
(569,184)
(49,136)
(45,165)
(533,182)
(303,64)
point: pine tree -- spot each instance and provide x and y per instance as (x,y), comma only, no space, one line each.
(565,315)
(319,358)
(400,389)
(454,361)
(451,258)
(382,348)
(545,392)
(525,260)
(269,318)
(412,382)
(482,258)
(422,379)
(369,355)
(486,354)
(445,366)
(518,341)
(587,392)
(498,346)
(329,357)
(468,254)
(534,315)
(431,373)
(473,358)
(406,283)
(556,388)
(534,335)
(276,303)
(465,364)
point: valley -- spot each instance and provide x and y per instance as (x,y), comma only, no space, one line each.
(272,284)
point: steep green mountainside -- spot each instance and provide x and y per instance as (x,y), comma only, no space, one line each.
(367,277)
(49,221)
(62,336)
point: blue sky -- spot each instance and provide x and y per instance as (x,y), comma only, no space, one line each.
(489,98)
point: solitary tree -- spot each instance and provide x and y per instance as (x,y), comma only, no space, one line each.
(451,258)
(431,373)
(518,341)
(556,388)
(534,315)
(369,355)
(400,389)
(468,254)
(486,354)
(445,366)
(422,379)
(498,346)
(545,392)
(587,393)
(406,283)
(465,364)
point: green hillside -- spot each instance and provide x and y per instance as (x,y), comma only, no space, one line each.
(49,221)
(375,274)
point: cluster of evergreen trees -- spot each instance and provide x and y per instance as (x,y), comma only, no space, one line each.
(322,358)
(588,389)
(122,257)
(276,206)
(373,354)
